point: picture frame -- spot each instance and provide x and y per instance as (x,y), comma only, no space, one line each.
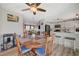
(12,18)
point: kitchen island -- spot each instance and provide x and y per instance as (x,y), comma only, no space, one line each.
(70,40)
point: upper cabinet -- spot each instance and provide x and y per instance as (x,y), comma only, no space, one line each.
(71,25)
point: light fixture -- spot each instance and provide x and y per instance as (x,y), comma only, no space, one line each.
(34,9)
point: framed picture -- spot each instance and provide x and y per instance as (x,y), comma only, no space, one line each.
(12,18)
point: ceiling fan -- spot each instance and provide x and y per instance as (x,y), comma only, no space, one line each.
(34,7)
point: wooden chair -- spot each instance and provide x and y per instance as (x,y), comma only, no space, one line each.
(49,46)
(21,48)
(47,50)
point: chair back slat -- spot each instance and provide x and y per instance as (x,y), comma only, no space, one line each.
(18,44)
(49,46)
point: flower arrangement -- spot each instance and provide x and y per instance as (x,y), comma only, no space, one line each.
(32,32)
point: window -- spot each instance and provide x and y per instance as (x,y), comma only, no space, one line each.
(29,27)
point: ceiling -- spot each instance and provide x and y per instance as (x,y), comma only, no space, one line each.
(54,11)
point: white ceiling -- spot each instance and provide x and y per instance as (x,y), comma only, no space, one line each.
(54,11)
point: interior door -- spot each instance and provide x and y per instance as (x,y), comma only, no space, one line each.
(47,29)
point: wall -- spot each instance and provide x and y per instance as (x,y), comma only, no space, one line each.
(10,27)
(0,21)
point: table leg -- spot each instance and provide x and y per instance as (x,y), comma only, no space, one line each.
(33,50)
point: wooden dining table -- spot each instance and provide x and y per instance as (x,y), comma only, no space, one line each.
(33,45)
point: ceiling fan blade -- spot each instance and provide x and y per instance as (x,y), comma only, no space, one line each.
(40,9)
(34,13)
(37,4)
(32,4)
(26,9)
(28,4)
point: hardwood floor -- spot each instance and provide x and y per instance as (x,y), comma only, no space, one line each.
(10,52)
(58,50)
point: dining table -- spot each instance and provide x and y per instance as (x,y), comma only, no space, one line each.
(33,45)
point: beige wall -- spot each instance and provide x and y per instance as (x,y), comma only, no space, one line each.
(0,21)
(10,27)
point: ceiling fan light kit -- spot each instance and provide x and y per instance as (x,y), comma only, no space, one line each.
(34,8)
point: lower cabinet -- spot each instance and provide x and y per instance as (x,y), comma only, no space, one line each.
(69,43)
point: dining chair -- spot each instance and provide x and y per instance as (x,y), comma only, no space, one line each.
(47,49)
(21,48)
(49,46)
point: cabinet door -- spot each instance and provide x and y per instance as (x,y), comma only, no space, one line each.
(69,43)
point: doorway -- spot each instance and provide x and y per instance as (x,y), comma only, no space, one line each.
(47,29)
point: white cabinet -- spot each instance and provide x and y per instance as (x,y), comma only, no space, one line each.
(77,41)
(59,39)
(69,43)
(77,45)
(70,40)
